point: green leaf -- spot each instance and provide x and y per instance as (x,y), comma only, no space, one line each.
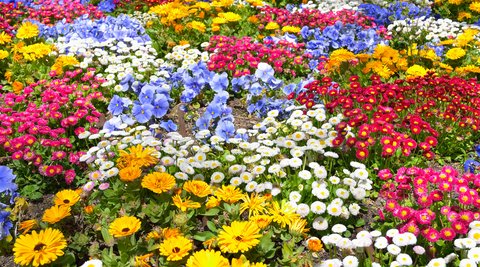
(360,223)
(211,226)
(211,212)
(109,241)
(203,236)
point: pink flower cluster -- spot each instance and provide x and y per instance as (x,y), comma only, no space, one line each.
(51,11)
(36,125)
(314,18)
(418,198)
(241,56)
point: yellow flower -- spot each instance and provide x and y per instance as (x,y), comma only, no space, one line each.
(3,54)
(447,67)
(56,214)
(198,26)
(66,198)
(297,226)
(139,156)
(455,2)
(183,206)
(455,53)
(219,20)
(282,213)
(158,182)
(35,51)
(291,29)
(175,248)
(28,225)
(363,57)
(314,244)
(207,258)
(416,70)
(129,174)
(262,221)
(39,248)
(198,188)
(169,233)
(253,19)
(212,202)
(447,42)
(230,16)
(124,226)
(342,55)
(240,236)
(272,26)
(17,86)
(463,15)
(27,30)
(8,76)
(141,261)
(229,194)
(475,6)
(183,42)
(5,38)
(255,204)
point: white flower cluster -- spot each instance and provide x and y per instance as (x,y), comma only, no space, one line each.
(329,5)
(183,57)
(142,17)
(401,247)
(115,59)
(429,28)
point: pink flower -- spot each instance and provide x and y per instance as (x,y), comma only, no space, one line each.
(423,217)
(69,176)
(447,234)
(465,199)
(17,155)
(433,235)
(419,250)
(404,213)
(104,186)
(452,216)
(424,201)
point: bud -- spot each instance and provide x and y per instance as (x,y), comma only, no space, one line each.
(89,209)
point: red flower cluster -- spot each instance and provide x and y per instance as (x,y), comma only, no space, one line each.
(315,18)
(404,115)
(38,123)
(241,56)
(429,187)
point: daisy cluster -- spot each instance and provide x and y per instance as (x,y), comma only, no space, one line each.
(182,56)
(429,28)
(325,6)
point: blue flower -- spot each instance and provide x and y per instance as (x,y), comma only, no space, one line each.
(256,89)
(477,149)
(274,83)
(264,71)
(169,126)
(221,97)
(5,224)
(203,122)
(116,105)
(128,119)
(226,111)
(470,165)
(289,89)
(142,112)
(219,82)
(146,96)
(214,110)
(225,129)
(6,180)
(160,106)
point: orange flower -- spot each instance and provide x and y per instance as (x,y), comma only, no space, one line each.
(89,209)
(17,87)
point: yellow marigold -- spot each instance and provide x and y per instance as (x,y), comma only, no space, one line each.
(139,156)
(198,188)
(455,53)
(291,29)
(475,6)
(219,20)
(455,2)
(27,30)
(158,182)
(212,202)
(124,226)
(240,236)
(35,51)
(253,19)
(229,194)
(183,42)
(342,55)
(215,28)
(314,244)
(199,26)
(5,38)
(129,174)
(447,42)
(464,38)
(176,248)
(39,248)
(28,225)
(56,214)
(3,54)
(463,15)
(272,26)
(384,72)
(471,68)
(255,2)
(416,70)
(262,221)
(363,57)
(66,198)
(184,205)
(17,87)
(447,67)
(230,16)
(8,76)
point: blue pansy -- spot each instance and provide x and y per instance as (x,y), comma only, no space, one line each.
(116,105)
(142,112)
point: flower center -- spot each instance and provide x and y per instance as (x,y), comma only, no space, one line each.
(176,249)
(66,201)
(125,229)
(239,238)
(39,247)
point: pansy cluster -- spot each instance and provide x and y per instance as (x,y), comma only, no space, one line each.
(399,10)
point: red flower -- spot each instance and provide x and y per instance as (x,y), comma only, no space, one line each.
(362,154)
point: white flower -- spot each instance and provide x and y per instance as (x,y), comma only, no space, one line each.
(320,173)
(342,193)
(246,177)
(84,135)
(181,176)
(92,263)
(354,209)
(361,173)
(474,254)
(318,207)
(467,263)
(404,259)
(350,261)
(295,196)
(112,172)
(393,249)
(334,180)
(251,186)
(217,177)
(400,240)
(334,210)
(381,242)
(235,181)
(275,191)
(305,175)
(320,224)
(475,235)
(450,257)
(321,193)
(339,228)
(303,210)
(344,243)
(437,263)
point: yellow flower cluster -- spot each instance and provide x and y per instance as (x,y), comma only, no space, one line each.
(291,29)
(455,53)
(387,62)
(35,51)
(475,6)
(272,26)
(5,38)
(3,54)
(63,61)
(416,70)
(27,30)
(230,16)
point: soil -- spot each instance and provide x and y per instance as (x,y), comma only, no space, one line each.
(35,211)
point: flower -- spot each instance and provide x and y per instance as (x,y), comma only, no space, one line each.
(282,213)
(92,263)
(198,26)
(27,225)
(184,205)
(207,258)
(158,182)
(139,156)
(198,188)
(6,180)
(39,248)
(455,53)
(229,194)
(124,226)
(27,30)
(175,248)
(129,174)
(255,204)
(240,236)
(66,198)
(56,214)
